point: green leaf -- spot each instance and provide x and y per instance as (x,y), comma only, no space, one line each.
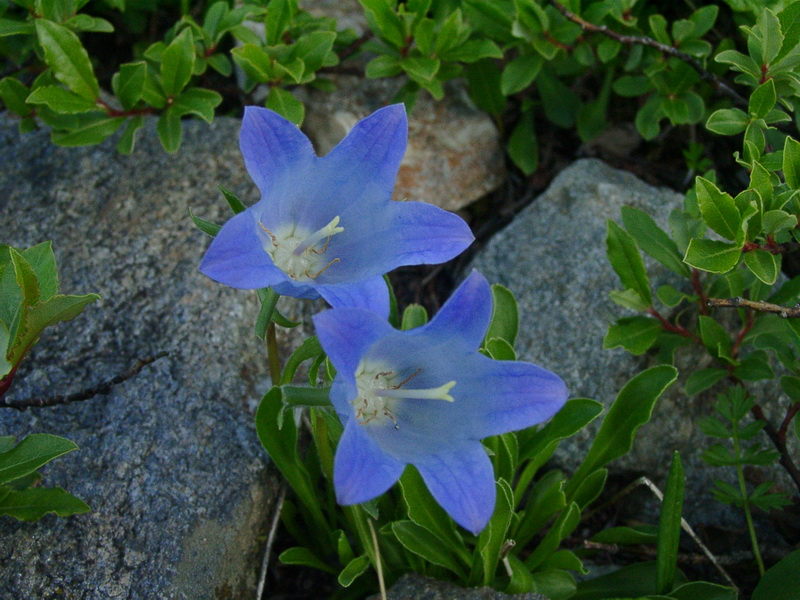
(277,20)
(628,299)
(25,278)
(31,453)
(221,64)
(494,535)
(66,56)
(385,21)
(177,64)
(422,542)
(43,262)
(354,569)
(727,121)
(499,349)
(791,387)
(718,209)
(84,22)
(641,534)
(565,524)
(653,240)
(206,227)
(127,140)
(715,338)
(670,296)
(762,100)
(504,323)
(631,409)
(414,316)
(523,146)
(635,334)
(519,73)
(701,380)
(383,66)
(197,101)
(763,265)
(791,162)
(420,68)
(33,503)
(128,84)
(521,578)
(754,367)
(170,130)
(740,62)
(703,590)
(712,255)
(624,257)
(483,77)
(285,104)
(305,557)
(590,488)
(13,94)
(781,581)
(633,581)
(555,584)
(313,48)
(14,27)
(669,527)
(764,41)
(91,130)
(60,100)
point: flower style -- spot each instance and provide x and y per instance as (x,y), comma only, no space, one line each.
(427,397)
(326,226)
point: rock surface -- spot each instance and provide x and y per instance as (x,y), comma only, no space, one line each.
(169,460)
(454,155)
(553,258)
(416,587)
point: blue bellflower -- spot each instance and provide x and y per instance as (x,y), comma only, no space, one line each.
(427,397)
(326,226)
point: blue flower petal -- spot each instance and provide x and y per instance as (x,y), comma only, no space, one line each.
(273,148)
(237,257)
(503,396)
(361,470)
(363,166)
(399,234)
(462,482)
(371,294)
(465,317)
(346,333)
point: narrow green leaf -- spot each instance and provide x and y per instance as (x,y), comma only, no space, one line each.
(354,569)
(127,140)
(33,503)
(718,209)
(32,452)
(206,227)
(523,145)
(631,409)
(66,56)
(422,542)
(712,255)
(641,534)
(305,557)
(669,527)
(170,131)
(653,240)
(703,590)
(492,538)
(623,254)
(60,100)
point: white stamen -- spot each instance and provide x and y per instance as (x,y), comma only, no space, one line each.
(328,231)
(440,393)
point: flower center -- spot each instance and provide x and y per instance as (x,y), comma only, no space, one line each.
(380,390)
(294,249)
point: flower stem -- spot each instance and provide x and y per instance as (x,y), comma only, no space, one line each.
(378,566)
(745,500)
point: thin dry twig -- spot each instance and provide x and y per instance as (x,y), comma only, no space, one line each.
(759,305)
(273,528)
(629,40)
(101,388)
(684,523)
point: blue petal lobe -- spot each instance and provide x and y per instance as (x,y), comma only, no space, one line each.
(508,396)
(465,317)
(462,482)
(363,166)
(361,471)
(370,294)
(272,147)
(346,333)
(237,257)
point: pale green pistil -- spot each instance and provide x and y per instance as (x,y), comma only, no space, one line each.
(379,393)
(294,250)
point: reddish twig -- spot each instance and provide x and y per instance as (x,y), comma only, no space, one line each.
(669,326)
(780,444)
(101,388)
(698,289)
(629,40)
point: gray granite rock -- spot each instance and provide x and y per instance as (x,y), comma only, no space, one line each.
(416,587)
(169,460)
(553,258)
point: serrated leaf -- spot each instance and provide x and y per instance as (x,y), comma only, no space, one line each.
(623,254)
(32,452)
(653,240)
(60,100)
(712,255)
(635,334)
(68,59)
